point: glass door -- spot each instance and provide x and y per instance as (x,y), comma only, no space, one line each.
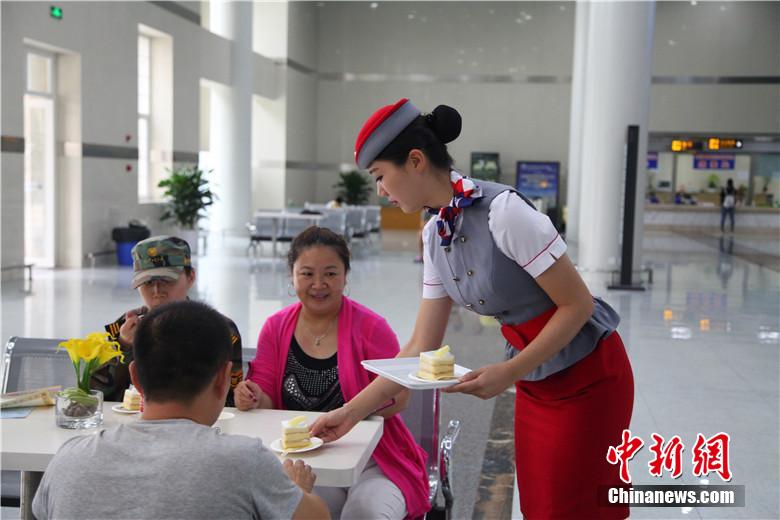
(39,163)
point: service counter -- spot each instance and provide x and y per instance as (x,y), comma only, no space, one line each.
(707,218)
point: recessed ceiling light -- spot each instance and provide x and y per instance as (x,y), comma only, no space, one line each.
(519,20)
(374,5)
(694,2)
(411,16)
(672,42)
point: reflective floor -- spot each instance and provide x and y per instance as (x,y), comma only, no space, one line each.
(704,342)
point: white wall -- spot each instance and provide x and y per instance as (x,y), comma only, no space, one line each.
(301,100)
(418,44)
(104,36)
(520,120)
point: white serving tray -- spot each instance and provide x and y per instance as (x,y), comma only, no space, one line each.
(400,370)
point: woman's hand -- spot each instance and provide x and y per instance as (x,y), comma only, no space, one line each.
(486,382)
(247,395)
(334,424)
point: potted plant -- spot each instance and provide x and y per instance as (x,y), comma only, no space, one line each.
(188,193)
(79,407)
(712,183)
(353,187)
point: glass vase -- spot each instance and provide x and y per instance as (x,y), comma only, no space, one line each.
(78,410)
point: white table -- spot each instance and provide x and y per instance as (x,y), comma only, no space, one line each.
(29,444)
(277,217)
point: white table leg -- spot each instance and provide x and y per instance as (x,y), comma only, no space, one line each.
(30,482)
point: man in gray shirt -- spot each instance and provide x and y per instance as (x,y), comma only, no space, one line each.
(171,463)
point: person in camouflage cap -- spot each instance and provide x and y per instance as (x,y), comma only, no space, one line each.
(162,273)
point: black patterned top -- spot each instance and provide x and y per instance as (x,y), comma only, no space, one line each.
(311,384)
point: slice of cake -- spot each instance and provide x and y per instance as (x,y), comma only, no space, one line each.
(437,364)
(132,399)
(295,433)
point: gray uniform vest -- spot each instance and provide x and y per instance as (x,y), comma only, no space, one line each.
(478,276)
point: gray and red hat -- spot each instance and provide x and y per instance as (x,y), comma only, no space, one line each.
(381,128)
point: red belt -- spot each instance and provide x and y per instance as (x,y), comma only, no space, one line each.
(520,335)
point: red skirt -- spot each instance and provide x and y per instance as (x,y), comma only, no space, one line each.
(564,425)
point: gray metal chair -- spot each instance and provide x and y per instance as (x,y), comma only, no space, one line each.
(261,229)
(335,220)
(30,363)
(292,227)
(356,224)
(374,219)
(422,419)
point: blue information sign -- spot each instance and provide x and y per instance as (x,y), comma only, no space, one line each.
(703,161)
(539,180)
(652,161)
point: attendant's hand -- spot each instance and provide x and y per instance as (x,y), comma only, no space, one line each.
(334,424)
(128,328)
(300,473)
(247,395)
(485,382)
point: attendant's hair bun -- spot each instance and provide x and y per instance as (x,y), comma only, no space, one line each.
(445,122)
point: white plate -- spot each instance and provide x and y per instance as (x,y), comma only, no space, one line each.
(118,408)
(402,370)
(316,442)
(225,415)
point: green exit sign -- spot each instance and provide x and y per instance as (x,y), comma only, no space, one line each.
(55,12)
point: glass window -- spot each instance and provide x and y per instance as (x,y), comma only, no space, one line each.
(144,75)
(38,73)
(143,158)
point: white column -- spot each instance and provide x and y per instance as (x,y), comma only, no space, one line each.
(231,119)
(618,66)
(575,124)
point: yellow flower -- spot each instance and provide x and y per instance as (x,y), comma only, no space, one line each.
(90,353)
(71,346)
(80,349)
(109,352)
(95,345)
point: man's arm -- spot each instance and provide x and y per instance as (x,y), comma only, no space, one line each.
(310,506)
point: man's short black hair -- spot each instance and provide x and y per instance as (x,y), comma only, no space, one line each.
(178,349)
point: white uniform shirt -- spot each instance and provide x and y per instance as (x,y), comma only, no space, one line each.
(523,234)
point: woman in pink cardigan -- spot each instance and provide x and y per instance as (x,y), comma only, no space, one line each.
(308,358)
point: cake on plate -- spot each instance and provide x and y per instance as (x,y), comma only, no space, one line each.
(132,399)
(295,433)
(437,364)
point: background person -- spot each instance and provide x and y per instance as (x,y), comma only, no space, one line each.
(171,463)
(728,201)
(308,358)
(162,273)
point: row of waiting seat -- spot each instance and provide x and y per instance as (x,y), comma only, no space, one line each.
(354,223)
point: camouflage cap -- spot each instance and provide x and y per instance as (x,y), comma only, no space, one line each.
(162,256)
